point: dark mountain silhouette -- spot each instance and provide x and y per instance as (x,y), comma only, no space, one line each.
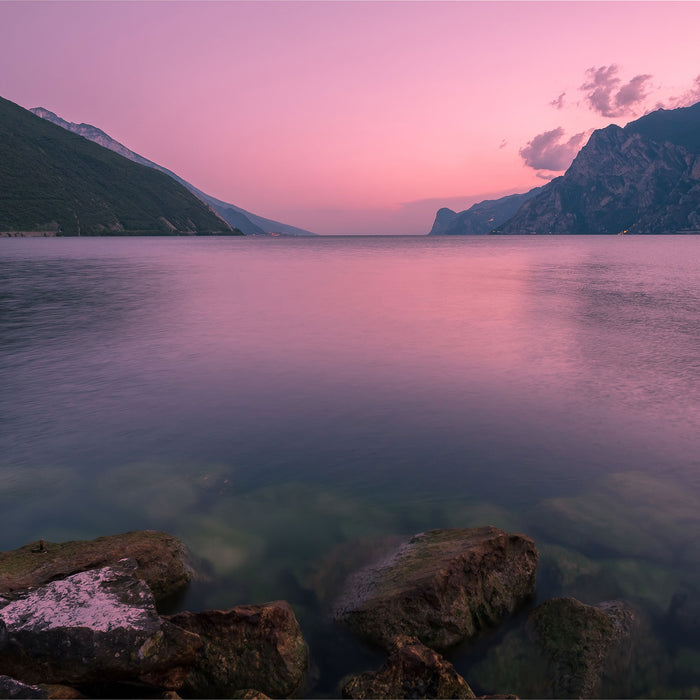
(640,179)
(55,181)
(480,218)
(643,178)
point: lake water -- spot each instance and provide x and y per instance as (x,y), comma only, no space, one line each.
(290,407)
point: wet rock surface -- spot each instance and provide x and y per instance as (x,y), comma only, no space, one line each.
(565,649)
(443,587)
(98,625)
(249,646)
(581,642)
(411,671)
(162,561)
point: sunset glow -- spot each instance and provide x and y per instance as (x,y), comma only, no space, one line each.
(352,117)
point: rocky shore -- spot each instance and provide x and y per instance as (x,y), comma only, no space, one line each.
(81,619)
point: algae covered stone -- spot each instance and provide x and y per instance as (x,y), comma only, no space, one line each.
(579,642)
(567,649)
(411,671)
(95,626)
(249,646)
(443,587)
(162,561)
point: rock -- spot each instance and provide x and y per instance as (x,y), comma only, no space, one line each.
(567,649)
(412,671)
(581,642)
(683,617)
(250,694)
(162,561)
(95,626)
(444,586)
(249,646)
(10,688)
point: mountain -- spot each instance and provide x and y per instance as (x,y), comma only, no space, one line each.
(480,218)
(55,181)
(250,224)
(640,179)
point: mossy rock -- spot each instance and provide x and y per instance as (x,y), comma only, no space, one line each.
(162,561)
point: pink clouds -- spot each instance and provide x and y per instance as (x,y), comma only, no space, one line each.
(329,115)
(687,98)
(605,95)
(547,151)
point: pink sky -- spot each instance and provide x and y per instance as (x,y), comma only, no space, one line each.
(352,117)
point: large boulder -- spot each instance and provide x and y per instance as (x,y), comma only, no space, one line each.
(96,626)
(411,671)
(443,586)
(249,646)
(162,561)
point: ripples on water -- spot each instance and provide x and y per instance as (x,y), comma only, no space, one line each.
(288,405)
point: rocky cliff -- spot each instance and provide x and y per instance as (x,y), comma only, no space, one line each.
(480,218)
(643,179)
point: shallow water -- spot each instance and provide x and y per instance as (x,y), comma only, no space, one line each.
(289,407)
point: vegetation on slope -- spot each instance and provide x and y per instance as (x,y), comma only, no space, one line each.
(54,180)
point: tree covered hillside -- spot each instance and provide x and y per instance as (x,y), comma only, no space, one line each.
(54,180)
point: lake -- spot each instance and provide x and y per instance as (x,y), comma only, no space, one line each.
(290,407)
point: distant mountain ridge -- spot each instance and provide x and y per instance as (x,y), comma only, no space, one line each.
(250,224)
(480,218)
(58,183)
(640,179)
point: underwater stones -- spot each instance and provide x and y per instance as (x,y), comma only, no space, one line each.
(579,643)
(652,518)
(683,617)
(443,587)
(99,625)
(411,671)
(566,649)
(249,646)
(162,561)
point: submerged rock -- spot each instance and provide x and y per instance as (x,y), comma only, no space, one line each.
(565,649)
(95,626)
(249,646)
(683,618)
(162,561)
(443,587)
(580,642)
(411,671)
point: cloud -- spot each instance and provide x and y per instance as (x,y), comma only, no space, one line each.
(689,97)
(559,102)
(606,96)
(547,151)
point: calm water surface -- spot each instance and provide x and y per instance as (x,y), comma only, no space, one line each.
(289,407)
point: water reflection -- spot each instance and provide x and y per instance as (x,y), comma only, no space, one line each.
(290,408)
